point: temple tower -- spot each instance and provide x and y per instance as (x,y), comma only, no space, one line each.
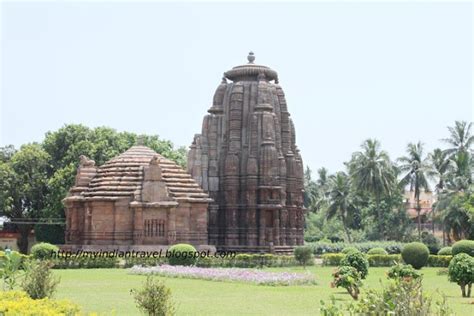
(247,160)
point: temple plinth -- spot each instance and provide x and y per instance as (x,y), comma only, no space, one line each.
(247,160)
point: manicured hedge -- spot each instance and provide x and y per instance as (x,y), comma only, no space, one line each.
(463,246)
(249,261)
(320,248)
(85,262)
(334,259)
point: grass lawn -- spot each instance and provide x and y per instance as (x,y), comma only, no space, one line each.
(107,290)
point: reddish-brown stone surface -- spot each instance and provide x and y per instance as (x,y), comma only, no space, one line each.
(247,160)
(136,198)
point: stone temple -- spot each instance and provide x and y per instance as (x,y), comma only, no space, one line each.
(136,199)
(247,160)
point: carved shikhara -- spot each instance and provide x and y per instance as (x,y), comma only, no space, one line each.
(247,160)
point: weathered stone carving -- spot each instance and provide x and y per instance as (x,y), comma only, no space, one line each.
(247,160)
(137,198)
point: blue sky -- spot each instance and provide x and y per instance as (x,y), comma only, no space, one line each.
(398,72)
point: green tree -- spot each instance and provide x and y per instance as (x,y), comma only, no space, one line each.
(65,145)
(373,173)
(460,138)
(340,201)
(415,168)
(440,165)
(23,187)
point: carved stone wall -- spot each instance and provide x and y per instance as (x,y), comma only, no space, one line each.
(247,160)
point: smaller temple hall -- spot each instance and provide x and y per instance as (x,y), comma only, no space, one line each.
(137,198)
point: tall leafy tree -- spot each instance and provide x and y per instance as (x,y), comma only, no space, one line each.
(100,144)
(440,165)
(340,200)
(23,187)
(460,138)
(373,173)
(415,169)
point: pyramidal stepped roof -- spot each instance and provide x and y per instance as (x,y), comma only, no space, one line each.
(123,177)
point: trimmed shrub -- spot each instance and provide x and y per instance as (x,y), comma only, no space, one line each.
(43,250)
(377,251)
(349,250)
(321,247)
(439,261)
(332,259)
(182,255)
(154,298)
(416,254)
(463,246)
(38,280)
(461,271)
(403,271)
(349,278)
(303,255)
(445,251)
(84,262)
(359,261)
(383,260)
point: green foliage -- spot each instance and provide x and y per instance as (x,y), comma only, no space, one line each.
(349,250)
(461,271)
(320,247)
(357,260)
(377,251)
(303,255)
(383,260)
(349,278)
(403,271)
(416,254)
(43,250)
(18,303)
(403,296)
(445,251)
(38,281)
(431,242)
(154,298)
(100,144)
(84,262)
(463,246)
(10,264)
(182,255)
(439,261)
(23,187)
(53,234)
(250,261)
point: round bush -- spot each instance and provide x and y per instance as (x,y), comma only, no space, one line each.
(445,251)
(358,260)
(402,271)
(461,271)
(43,250)
(464,246)
(416,254)
(377,251)
(182,255)
(349,249)
(303,255)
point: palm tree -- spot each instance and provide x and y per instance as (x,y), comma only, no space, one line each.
(416,170)
(460,139)
(440,165)
(340,200)
(372,172)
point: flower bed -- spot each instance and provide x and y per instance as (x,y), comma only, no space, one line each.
(228,274)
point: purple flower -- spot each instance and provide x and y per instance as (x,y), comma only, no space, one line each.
(228,274)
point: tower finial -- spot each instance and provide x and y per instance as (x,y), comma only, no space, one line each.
(251,57)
